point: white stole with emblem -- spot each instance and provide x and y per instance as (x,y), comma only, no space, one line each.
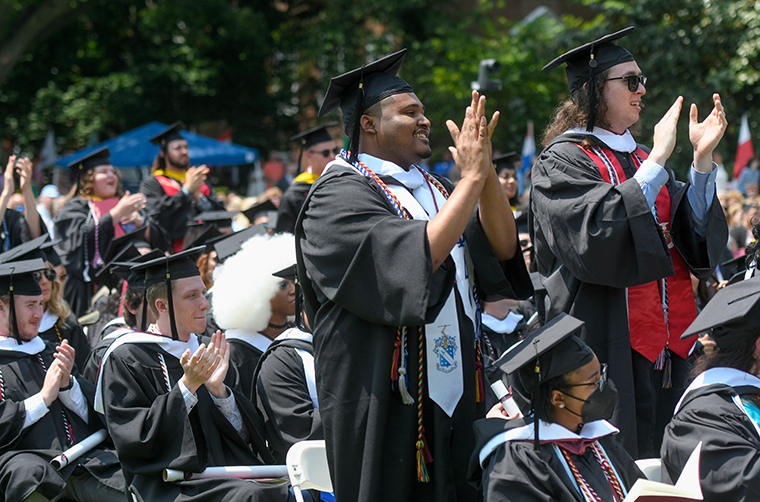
(443,342)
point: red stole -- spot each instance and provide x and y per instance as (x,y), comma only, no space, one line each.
(171,188)
(653,322)
(105,205)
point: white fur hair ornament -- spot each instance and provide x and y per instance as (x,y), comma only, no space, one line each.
(244,285)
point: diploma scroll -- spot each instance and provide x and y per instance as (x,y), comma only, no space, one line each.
(235,471)
(79,449)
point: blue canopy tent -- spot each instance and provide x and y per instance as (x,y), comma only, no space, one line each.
(133,150)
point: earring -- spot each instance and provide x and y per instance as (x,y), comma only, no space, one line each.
(561,405)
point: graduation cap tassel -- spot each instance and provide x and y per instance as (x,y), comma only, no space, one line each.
(396,356)
(144,320)
(172,321)
(479,387)
(592,94)
(353,145)
(667,380)
(300,324)
(536,399)
(12,314)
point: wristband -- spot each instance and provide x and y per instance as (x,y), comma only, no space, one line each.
(186,192)
(70,385)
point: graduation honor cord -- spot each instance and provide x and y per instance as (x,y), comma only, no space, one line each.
(588,493)
(66,426)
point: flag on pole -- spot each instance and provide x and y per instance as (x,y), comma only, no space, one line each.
(48,155)
(528,155)
(744,151)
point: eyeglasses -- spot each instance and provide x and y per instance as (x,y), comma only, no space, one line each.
(50,275)
(633,81)
(599,383)
(326,153)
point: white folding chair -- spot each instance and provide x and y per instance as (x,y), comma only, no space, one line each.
(651,467)
(307,467)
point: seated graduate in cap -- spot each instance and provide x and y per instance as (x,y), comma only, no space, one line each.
(250,304)
(565,450)
(57,323)
(393,263)
(721,406)
(18,227)
(615,232)
(285,385)
(176,190)
(165,400)
(317,149)
(44,407)
(97,212)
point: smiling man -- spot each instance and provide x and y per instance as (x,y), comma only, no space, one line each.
(165,399)
(388,257)
(44,407)
(616,236)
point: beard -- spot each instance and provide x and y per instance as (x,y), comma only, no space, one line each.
(177,161)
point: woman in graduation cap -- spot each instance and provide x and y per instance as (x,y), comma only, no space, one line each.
(97,212)
(616,236)
(566,451)
(721,406)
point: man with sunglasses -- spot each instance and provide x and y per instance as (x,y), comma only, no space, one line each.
(616,236)
(318,148)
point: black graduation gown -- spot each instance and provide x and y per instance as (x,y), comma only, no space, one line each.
(168,215)
(290,205)
(515,471)
(72,234)
(72,331)
(14,227)
(152,431)
(244,357)
(25,454)
(593,240)
(730,458)
(282,396)
(364,272)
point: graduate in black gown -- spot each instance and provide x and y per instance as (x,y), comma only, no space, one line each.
(721,406)
(251,305)
(18,227)
(165,400)
(97,212)
(44,407)
(318,148)
(564,450)
(176,190)
(378,253)
(616,236)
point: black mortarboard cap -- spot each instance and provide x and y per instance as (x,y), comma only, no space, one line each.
(357,90)
(552,351)
(105,276)
(732,267)
(732,308)
(260,207)
(168,269)
(135,237)
(314,135)
(207,238)
(505,160)
(26,251)
(135,278)
(99,157)
(588,61)
(233,242)
(51,255)
(287,273)
(219,219)
(169,134)
(16,279)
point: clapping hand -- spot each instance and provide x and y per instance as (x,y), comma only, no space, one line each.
(472,143)
(706,135)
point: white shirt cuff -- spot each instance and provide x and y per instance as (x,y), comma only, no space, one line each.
(35,409)
(74,400)
(190,399)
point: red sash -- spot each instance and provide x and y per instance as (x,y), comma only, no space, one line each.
(104,206)
(653,323)
(171,188)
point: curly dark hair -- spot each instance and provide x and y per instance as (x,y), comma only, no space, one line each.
(739,354)
(133,298)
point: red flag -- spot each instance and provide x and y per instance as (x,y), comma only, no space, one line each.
(744,152)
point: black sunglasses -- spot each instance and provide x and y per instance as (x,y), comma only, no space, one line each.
(599,383)
(633,81)
(326,153)
(50,275)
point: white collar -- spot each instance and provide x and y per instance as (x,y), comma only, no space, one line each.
(619,142)
(48,320)
(411,179)
(547,433)
(252,338)
(32,347)
(295,334)
(503,326)
(726,376)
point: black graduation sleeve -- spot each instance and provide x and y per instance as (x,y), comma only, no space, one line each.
(283,397)
(604,234)
(290,204)
(365,258)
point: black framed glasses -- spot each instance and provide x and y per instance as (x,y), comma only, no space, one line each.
(599,383)
(326,152)
(633,81)
(49,274)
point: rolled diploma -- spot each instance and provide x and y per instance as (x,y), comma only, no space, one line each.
(233,471)
(79,449)
(505,397)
